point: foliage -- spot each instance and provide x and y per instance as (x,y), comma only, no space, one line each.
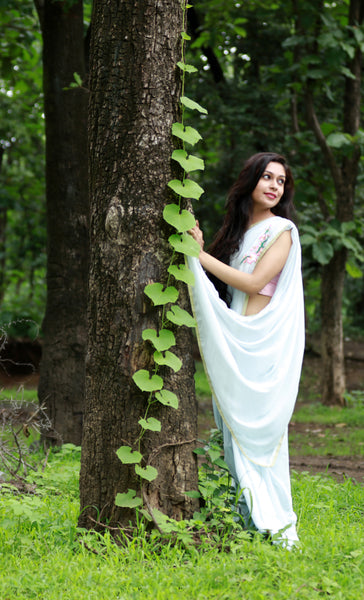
(45,555)
(22,204)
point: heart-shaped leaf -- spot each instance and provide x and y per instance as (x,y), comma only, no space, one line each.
(185,243)
(182,220)
(187,134)
(149,473)
(179,316)
(167,398)
(128,500)
(158,295)
(151,423)
(127,456)
(169,359)
(162,340)
(186,68)
(186,188)
(182,273)
(192,105)
(146,383)
(188,162)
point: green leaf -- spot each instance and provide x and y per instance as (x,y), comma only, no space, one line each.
(145,383)
(192,105)
(307,240)
(149,473)
(187,134)
(181,220)
(188,162)
(337,140)
(186,68)
(186,188)
(151,423)
(353,270)
(167,398)
(182,273)
(185,36)
(162,340)
(128,500)
(185,243)
(322,252)
(155,292)
(169,359)
(193,494)
(127,456)
(179,316)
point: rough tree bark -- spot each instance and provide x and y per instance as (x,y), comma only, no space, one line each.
(134,100)
(61,386)
(344,174)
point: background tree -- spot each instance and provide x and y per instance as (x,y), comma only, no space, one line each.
(293,72)
(134,101)
(61,386)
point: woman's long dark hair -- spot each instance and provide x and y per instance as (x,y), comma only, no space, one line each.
(239,206)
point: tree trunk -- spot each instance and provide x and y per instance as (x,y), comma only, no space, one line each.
(61,386)
(332,344)
(135,99)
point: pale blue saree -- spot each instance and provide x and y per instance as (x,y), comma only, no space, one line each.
(253,364)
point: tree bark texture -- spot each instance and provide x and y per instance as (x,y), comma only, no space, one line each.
(332,343)
(62,371)
(135,88)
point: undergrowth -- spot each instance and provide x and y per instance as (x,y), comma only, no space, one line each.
(44,554)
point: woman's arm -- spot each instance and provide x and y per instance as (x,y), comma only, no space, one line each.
(270,265)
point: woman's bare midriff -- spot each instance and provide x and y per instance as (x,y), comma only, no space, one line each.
(256,303)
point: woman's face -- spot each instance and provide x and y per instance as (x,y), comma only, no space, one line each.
(270,187)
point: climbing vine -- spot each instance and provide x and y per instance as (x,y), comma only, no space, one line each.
(166,296)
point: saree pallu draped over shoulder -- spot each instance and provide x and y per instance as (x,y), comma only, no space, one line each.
(253,364)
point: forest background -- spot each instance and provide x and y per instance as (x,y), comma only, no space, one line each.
(253,74)
(282,76)
(277,76)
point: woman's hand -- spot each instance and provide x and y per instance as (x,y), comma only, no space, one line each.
(197,234)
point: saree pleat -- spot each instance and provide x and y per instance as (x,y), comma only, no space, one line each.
(253,364)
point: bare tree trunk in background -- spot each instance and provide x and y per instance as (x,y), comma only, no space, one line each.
(61,386)
(135,88)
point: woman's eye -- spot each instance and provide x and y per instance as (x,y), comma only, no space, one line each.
(281,181)
(266,176)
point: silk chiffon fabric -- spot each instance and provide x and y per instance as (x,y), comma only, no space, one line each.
(253,364)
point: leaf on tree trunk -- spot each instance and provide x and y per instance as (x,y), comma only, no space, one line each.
(167,398)
(187,68)
(185,244)
(151,423)
(188,162)
(128,500)
(182,273)
(179,316)
(187,134)
(162,340)
(145,383)
(127,456)
(149,473)
(160,296)
(182,220)
(169,359)
(186,188)
(192,105)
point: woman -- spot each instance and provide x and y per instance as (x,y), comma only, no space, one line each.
(250,327)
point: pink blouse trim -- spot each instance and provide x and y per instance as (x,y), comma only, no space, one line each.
(270,288)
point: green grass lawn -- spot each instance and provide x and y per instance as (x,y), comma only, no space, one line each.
(44,556)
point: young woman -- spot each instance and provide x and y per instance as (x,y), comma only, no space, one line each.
(250,326)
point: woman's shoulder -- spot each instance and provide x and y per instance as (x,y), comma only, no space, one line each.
(282,223)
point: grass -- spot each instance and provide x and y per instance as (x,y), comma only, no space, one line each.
(44,556)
